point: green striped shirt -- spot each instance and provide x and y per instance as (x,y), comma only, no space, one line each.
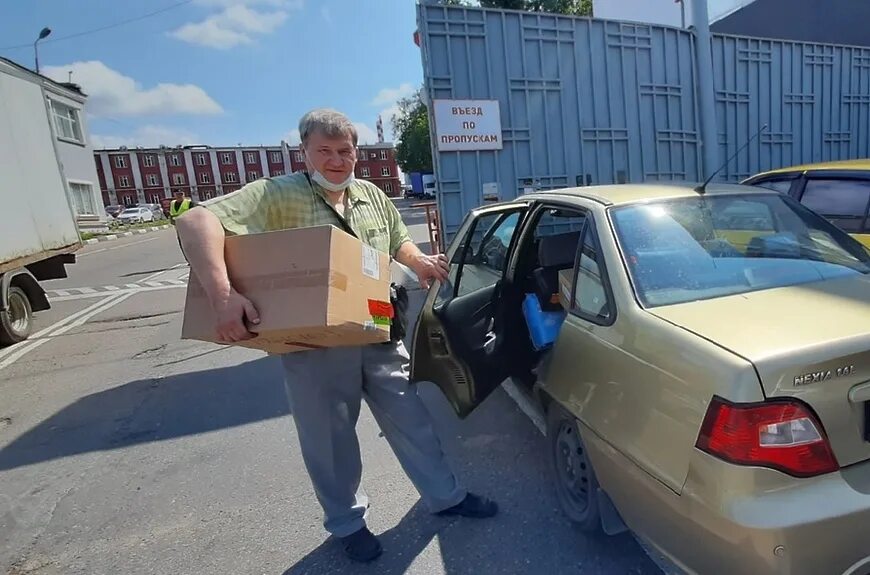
(284,202)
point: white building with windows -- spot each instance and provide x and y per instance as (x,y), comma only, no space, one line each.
(66,104)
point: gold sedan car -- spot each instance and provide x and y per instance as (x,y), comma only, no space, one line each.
(702,356)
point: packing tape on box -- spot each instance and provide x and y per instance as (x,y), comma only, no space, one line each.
(306,278)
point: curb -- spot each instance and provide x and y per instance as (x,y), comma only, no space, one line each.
(110,237)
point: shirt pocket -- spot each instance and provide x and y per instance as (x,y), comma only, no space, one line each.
(378,238)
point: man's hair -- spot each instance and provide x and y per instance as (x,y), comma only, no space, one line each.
(330,123)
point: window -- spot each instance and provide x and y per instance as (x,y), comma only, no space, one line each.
(208,194)
(480,260)
(155,198)
(66,122)
(366,172)
(204,178)
(675,252)
(178,179)
(388,187)
(82,198)
(782,185)
(125,182)
(148,161)
(225,159)
(201,160)
(120,161)
(253,176)
(152,179)
(128,201)
(590,295)
(230,178)
(298,156)
(385,171)
(277,172)
(276,157)
(175,160)
(250,158)
(844,202)
(383,154)
(744,215)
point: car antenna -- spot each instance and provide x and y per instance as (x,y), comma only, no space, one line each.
(703,187)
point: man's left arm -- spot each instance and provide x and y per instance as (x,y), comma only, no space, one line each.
(405,251)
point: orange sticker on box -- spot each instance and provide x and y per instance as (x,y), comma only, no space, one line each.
(380,308)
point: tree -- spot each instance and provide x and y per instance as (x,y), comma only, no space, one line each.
(411,125)
(569,7)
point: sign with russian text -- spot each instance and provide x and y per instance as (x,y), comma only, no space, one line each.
(467,125)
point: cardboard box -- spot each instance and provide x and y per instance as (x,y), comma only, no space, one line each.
(566,282)
(313,287)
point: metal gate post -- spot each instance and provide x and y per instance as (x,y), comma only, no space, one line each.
(706,95)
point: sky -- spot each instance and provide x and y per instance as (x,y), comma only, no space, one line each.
(220,72)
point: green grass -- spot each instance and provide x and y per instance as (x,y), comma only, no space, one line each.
(119,229)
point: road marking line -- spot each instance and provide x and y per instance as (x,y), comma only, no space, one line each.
(120,291)
(116,247)
(152,284)
(35,337)
(111,288)
(85,290)
(526,406)
(81,320)
(59,292)
(132,286)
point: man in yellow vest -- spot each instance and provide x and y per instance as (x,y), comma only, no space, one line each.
(179,205)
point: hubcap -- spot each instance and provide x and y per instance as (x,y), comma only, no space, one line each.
(17,313)
(573,467)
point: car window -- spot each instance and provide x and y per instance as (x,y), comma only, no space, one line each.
(782,185)
(675,252)
(844,202)
(557,221)
(481,258)
(590,297)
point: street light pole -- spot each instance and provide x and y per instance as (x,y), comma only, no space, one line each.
(42,35)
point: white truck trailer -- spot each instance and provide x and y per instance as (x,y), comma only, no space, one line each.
(38,230)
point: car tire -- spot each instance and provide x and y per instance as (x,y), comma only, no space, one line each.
(16,322)
(571,471)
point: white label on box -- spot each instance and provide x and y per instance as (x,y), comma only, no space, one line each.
(371,263)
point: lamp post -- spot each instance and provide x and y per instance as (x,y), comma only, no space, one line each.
(42,35)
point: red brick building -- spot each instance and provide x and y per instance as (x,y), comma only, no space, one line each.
(130,176)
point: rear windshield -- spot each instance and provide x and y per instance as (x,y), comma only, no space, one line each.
(692,249)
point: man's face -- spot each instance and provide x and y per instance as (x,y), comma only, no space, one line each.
(179,196)
(335,158)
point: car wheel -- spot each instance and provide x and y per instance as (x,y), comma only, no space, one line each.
(16,322)
(571,471)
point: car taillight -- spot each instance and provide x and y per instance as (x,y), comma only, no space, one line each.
(783,435)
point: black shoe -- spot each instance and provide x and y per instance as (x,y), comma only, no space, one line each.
(473,506)
(362,546)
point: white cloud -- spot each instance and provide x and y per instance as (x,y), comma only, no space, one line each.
(392,95)
(149,136)
(365,135)
(238,22)
(110,93)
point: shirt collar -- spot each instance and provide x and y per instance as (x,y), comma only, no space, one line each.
(354,193)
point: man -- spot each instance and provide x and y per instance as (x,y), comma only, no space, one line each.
(325,386)
(179,205)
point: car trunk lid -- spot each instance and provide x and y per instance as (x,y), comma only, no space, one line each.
(810,342)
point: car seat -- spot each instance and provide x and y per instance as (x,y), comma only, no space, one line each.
(555,253)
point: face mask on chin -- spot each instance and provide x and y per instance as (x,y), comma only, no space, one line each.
(321,180)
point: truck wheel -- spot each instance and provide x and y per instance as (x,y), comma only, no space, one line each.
(571,471)
(16,322)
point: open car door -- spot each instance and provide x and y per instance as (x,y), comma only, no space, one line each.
(458,340)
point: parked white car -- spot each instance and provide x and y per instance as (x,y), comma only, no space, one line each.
(135,216)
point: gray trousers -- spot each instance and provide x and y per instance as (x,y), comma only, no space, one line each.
(325,388)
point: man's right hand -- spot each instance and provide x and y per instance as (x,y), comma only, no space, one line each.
(231,314)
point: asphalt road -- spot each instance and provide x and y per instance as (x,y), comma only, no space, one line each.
(124,449)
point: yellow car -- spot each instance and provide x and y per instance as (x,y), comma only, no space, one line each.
(840,191)
(702,357)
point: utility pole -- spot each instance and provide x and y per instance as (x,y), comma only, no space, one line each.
(706,95)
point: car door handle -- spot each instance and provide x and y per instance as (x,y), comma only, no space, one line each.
(438,343)
(489,342)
